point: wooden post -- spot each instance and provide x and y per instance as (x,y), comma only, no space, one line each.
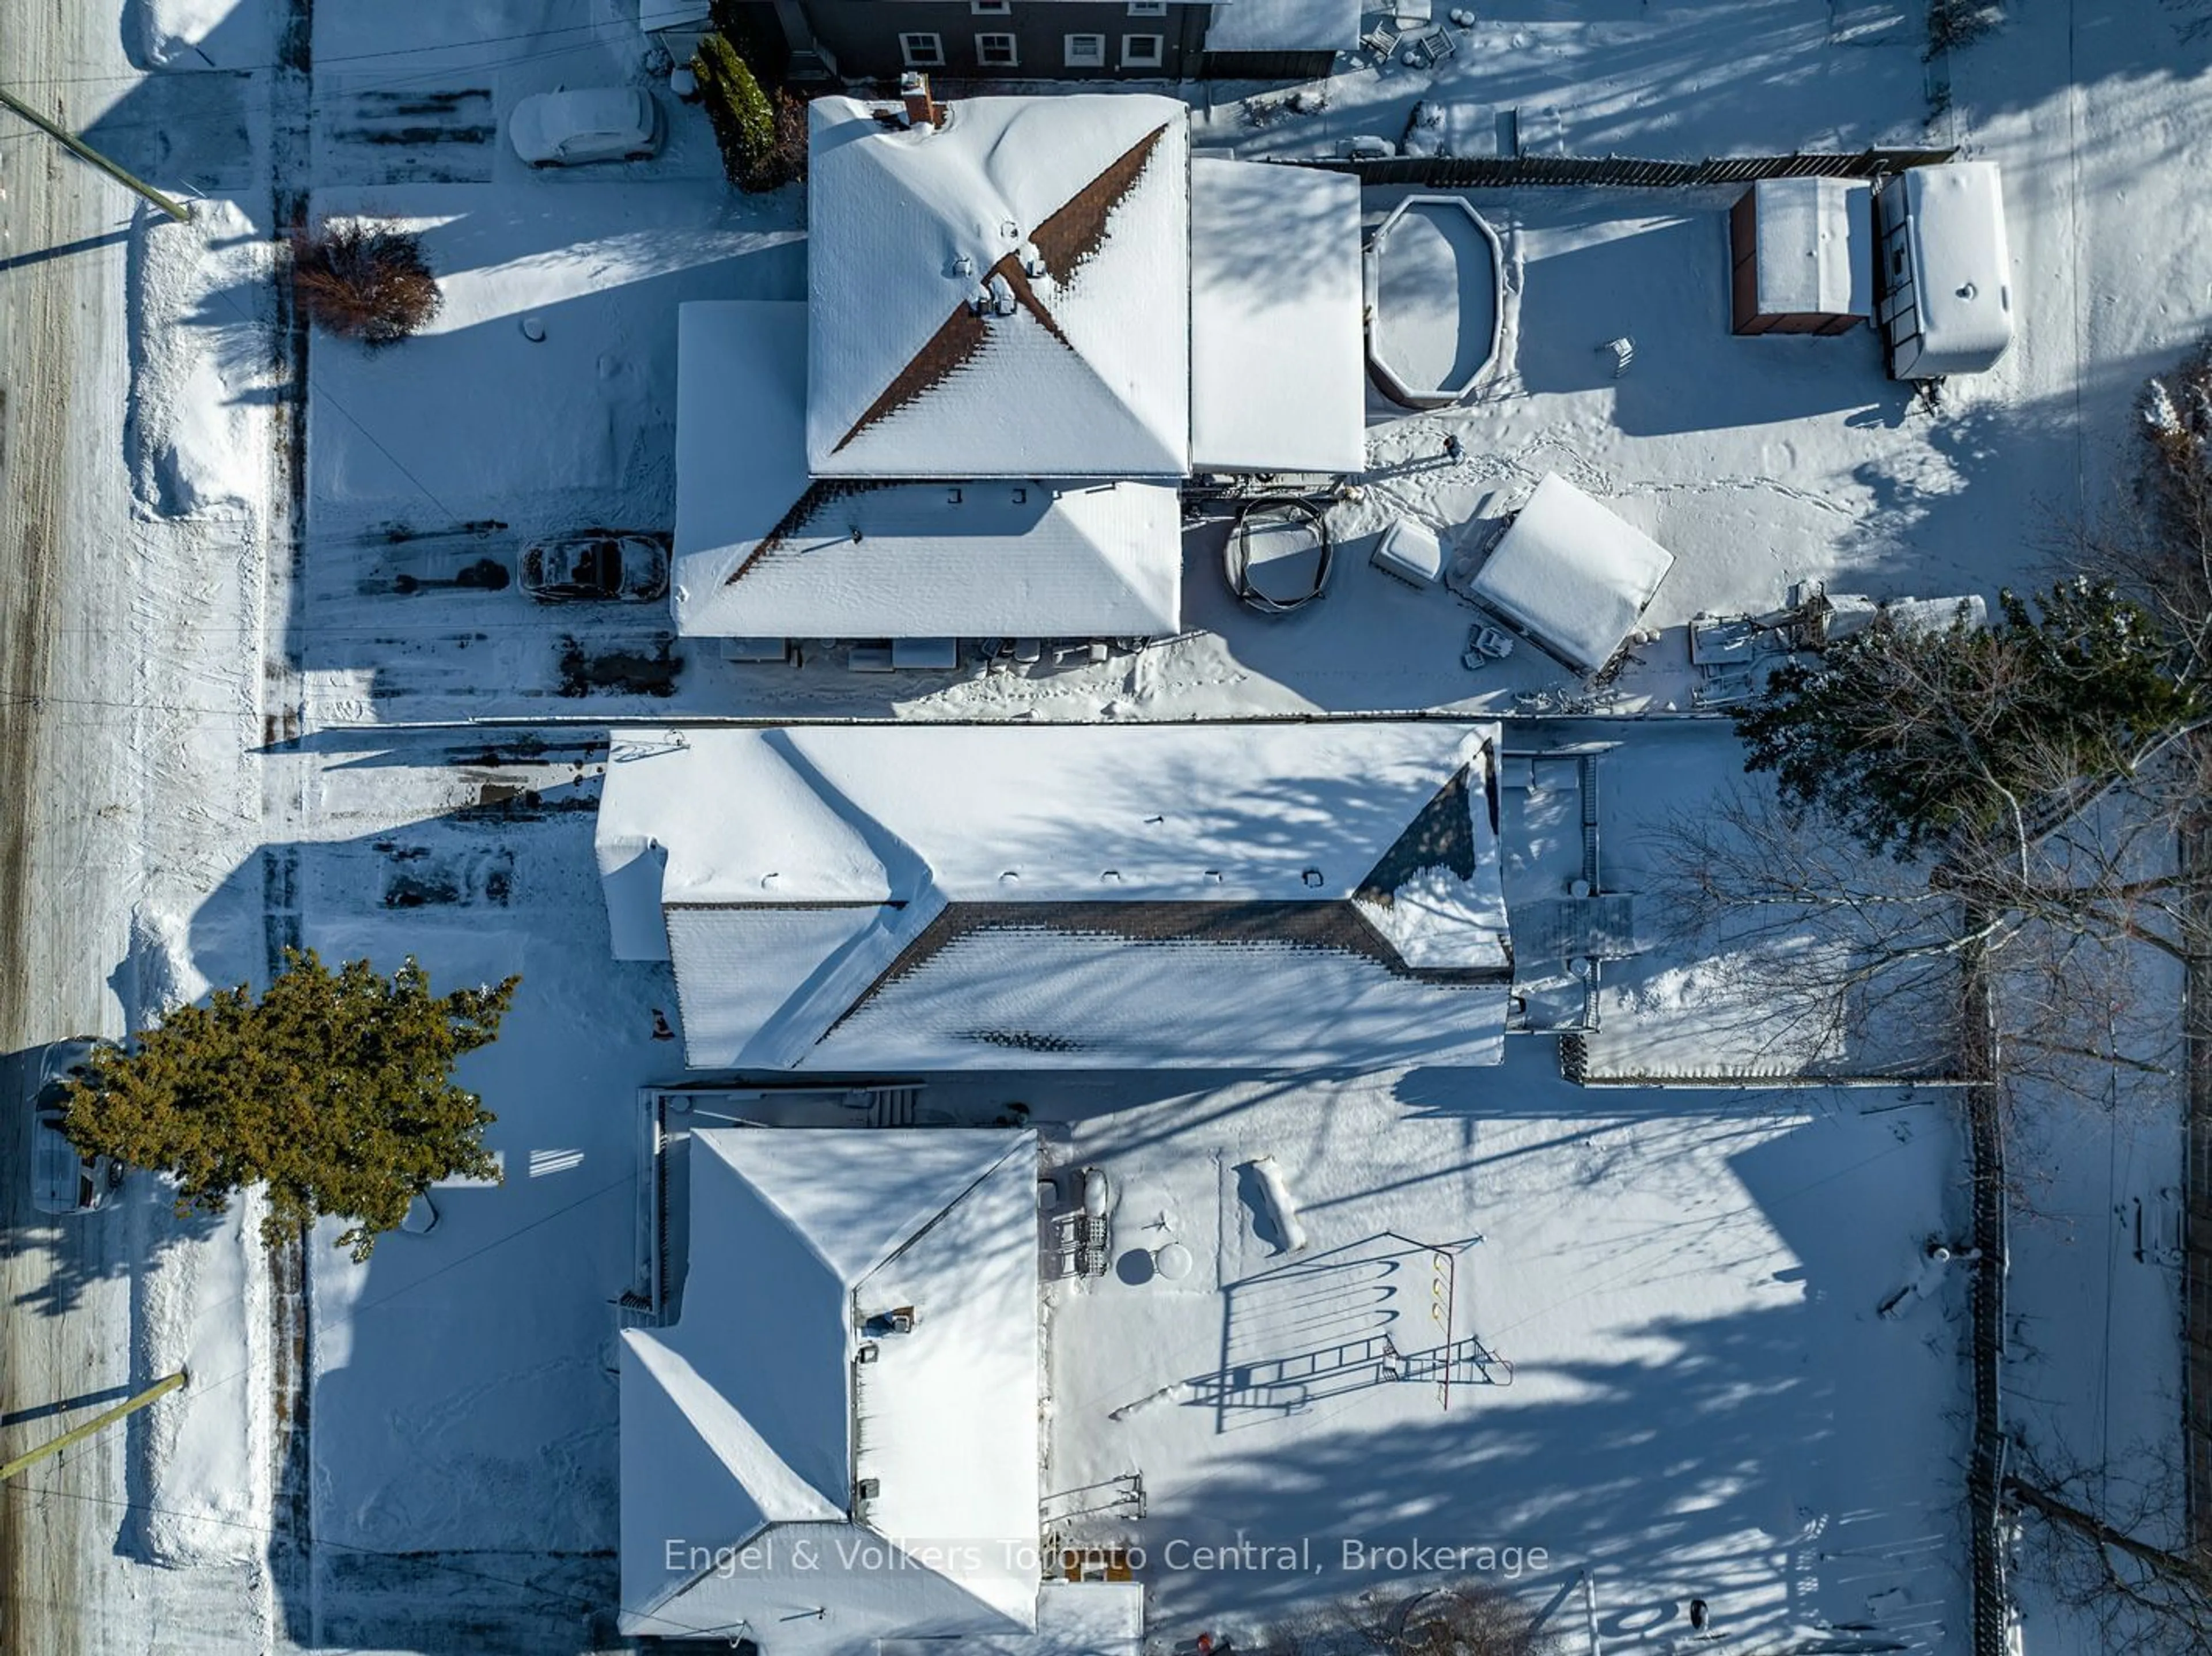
(78,146)
(99,1423)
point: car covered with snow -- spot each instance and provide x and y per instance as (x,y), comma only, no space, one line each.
(597,124)
(62,1180)
(599,565)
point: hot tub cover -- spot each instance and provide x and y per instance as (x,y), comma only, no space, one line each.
(1570,576)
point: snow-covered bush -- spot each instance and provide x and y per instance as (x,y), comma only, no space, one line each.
(364,281)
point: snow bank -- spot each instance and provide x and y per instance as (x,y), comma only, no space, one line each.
(201,1303)
(163,976)
(196,33)
(198,428)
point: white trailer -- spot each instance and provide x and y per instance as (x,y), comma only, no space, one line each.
(1946,271)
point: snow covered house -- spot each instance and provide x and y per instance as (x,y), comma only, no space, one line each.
(834,1445)
(917,896)
(1066,39)
(1028,320)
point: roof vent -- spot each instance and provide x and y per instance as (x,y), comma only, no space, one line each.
(962,265)
(1032,261)
(866,1488)
(995,298)
(867,1353)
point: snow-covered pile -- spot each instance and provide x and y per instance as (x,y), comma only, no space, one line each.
(199,428)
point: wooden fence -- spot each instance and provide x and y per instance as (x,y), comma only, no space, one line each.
(1507,171)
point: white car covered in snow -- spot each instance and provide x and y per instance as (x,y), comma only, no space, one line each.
(600,123)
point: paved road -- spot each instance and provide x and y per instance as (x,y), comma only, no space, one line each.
(72,812)
(62,370)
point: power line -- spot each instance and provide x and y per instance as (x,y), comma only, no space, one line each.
(321,60)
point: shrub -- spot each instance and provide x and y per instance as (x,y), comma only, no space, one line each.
(744,121)
(364,281)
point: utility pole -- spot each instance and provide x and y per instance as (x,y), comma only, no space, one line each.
(78,146)
(99,1423)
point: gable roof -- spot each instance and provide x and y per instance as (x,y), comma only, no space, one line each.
(1076,896)
(1067,219)
(763,551)
(798,814)
(738,1419)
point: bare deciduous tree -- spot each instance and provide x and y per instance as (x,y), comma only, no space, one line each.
(2117,1552)
(1465,1618)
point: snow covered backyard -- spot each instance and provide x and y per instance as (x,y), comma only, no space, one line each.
(1526,1318)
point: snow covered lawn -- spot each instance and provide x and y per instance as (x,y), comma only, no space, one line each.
(1659,1320)
(463,1396)
(473,418)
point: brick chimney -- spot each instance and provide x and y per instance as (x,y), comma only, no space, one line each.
(921,109)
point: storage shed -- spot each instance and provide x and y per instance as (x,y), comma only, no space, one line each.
(1570,576)
(1801,257)
(1946,271)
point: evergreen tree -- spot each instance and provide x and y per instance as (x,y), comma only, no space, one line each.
(743,118)
(1907,736)
(333,1088)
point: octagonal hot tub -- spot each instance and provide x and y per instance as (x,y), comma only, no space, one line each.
(1435,277)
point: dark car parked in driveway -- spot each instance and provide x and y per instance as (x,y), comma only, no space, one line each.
(599,565)
(62,1181)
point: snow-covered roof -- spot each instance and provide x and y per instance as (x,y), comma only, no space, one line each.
(1961,266)
(763,552)
(1277,379)
(1570,576)
(1813,247)
(942,895)
(1284,26)
(738,1419)
(1067,219)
